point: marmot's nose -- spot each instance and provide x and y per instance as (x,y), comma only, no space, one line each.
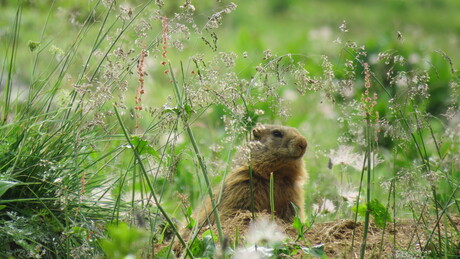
(302,144)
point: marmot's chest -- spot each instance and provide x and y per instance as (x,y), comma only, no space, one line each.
(285,192)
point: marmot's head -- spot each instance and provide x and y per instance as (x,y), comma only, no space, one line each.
(277,149)
(279,141)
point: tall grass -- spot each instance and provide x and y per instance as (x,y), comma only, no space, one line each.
(50,159)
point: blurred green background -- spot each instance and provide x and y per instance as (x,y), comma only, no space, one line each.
(416,27)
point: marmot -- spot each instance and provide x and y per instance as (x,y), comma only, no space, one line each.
(273,149)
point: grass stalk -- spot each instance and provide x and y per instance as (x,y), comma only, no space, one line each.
(387,208)
(11,64)
(227,168)
(149,184)
(251,189)
(358,199)
(394,201)
(368,191)
(118,38)
(438,219)
(183,115)
(251,182)
(426,165)
(272,196)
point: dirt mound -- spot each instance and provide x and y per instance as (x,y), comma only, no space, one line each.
(401,239)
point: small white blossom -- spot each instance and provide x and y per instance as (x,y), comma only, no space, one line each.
(253,252)
(324,207)
(264,231)
(259,112)
(343,27)
(349,196)
(346,156)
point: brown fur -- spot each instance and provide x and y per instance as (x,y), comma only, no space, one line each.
(270,152)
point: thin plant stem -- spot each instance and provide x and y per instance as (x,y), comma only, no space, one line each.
(227,168)
(358,199)
(368,194)
(9,79)
(452,197)
(272,196)
(385,227)
(38,52)
(394,201)
(251,182)
(149,184)
(251,189)
(428,170)
(204,170)
(118,37)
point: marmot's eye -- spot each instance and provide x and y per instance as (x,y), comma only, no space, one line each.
(277,134)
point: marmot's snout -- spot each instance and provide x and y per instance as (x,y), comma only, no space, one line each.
(298,146)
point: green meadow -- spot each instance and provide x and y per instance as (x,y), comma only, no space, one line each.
(118,117)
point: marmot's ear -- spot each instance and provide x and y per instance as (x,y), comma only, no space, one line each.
(257,133)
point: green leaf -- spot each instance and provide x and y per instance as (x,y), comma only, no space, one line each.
(316,251)
(33,45)
(80,232)
(177,110)
(208,233)
(5,185)
(143,147)
(188,110)
(209,246)
(298,225)
(164,253)
(189,211)
(174,110)
(362,208)
(204,247)
(124,241)
(380,213)
(191,223)
(197,247)
(188,215)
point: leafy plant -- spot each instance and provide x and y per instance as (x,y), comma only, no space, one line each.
(376,209)
(124,241)
(204,247)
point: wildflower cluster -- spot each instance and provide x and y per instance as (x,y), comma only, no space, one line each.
(368,102)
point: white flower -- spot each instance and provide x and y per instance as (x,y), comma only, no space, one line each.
(349,196)
(327,110)
(324,207)
(290,95)
(253,252)
(344,155)
(343,26)
(259,112)
(264,231)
